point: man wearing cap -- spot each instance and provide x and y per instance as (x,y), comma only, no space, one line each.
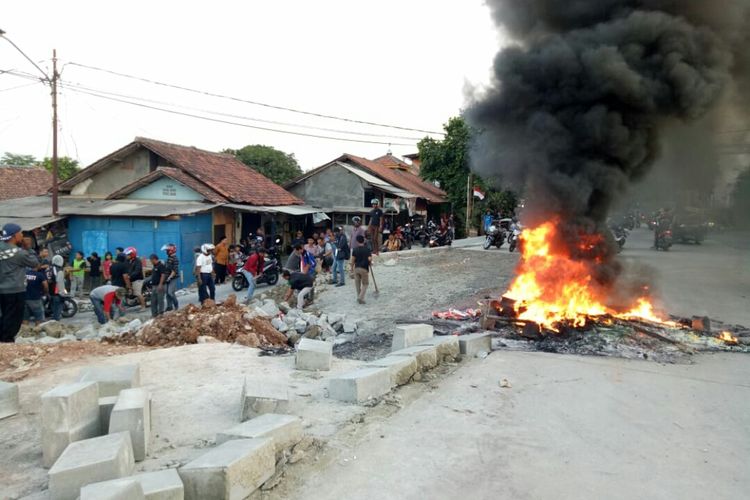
(13,263)
(375,229)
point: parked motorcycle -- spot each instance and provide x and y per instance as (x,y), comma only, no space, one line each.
(271,269)
(440,239)
(664,240)
(423,233)
(69,307)
(495,236)
(407,236)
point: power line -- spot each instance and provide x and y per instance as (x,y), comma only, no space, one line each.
(73,86)
(217,120)
(20,86)
(247,101)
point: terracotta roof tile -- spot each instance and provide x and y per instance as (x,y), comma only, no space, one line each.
(19,182)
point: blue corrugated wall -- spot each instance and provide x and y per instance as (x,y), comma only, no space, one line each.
(102,234)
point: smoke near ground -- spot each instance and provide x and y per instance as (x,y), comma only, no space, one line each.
(580,105)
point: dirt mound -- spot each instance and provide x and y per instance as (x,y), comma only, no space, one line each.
(227,322)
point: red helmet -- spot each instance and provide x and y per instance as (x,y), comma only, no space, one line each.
(170,248)
(130,251)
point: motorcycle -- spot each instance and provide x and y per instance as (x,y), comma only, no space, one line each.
(407,236)
(424,232)
(69,307)
(440,239)
(131,300)
(495,236)
(620,234)
(664,240)
(514,239)
(271,269)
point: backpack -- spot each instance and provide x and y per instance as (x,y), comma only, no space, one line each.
(309,260)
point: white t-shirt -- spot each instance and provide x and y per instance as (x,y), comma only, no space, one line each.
(205,263)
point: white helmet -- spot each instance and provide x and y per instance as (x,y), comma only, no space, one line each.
(207,247)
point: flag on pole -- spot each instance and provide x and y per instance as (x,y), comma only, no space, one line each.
(478,193)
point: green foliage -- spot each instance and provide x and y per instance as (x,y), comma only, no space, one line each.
(66,167)
(17,160)
(278,166)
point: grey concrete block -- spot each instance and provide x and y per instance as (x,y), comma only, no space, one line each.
(117,489)
(314,355)
(473,343)
(402,368)
(112,378)
(360,385)
(105,410)
(160,485)
(448,348)
(426,356)
(408,335)
(259,398)
(90,461)
(132,413)
(286,430)
(230,471)
(8,399)
(69,413)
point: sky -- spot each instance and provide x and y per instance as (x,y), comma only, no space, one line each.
(405,63)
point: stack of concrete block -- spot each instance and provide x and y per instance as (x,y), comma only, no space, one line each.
(232,470)
(474,343)
(285,430)
(70,413)
(259,398)
(426,356)
(112,378)
(409,335)
(90,461)
(448,347)
(8,399)
(132,413)
(106,405)
(314,355)
(160,485)
(360,385)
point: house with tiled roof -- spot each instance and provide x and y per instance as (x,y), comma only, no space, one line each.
(19,182)
(345,187)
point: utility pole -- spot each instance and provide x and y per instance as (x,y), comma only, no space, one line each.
(468,203)
(53,84)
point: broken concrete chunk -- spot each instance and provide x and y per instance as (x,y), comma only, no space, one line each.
(473,343)
(425,355)
(314,355)
(259,398)
(360,385)
(112,378)
(132,413)
(270,307)
(300,325)
(286,430)
(8,399)
(279,324)
(90,461)
(116,489)
(70,413)
(230,471)
(402,368)
(448,348)
(350,326)
(408,335)
(160,485)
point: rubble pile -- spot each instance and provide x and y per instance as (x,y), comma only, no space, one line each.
(226,322)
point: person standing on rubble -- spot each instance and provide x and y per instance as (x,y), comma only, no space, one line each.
(158,289)
(134,278)
(204,268)
(172,270)
(15,257)
(360,265)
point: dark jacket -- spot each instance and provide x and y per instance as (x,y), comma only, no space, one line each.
(136,270)
(342,246)
(13,263)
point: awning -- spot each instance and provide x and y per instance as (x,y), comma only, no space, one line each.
(29,223)
(376,182)
(282,209)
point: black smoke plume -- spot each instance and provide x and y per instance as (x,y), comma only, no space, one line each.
(578,104)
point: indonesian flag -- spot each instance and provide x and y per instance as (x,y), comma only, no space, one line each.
(478,193)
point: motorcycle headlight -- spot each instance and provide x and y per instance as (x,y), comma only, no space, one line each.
(492,230)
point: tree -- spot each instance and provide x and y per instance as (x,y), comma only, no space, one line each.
(66,167)
(278,166)
(17,160)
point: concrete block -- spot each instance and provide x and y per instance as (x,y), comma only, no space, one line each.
(259,398)
(360,385)
(402,368)
(448,348)
(426,356)
(112,378)
(314,355)
(117,489)
(105,410)
(70,413)
(473,343)
(90,461)
(132,413)
(160,485)
(230,471)
(286,430)
(8,399)
(408,335)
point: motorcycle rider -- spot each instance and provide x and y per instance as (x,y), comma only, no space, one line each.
(172,269)
(204,269)
(252,269)
(14,259)
(663,224)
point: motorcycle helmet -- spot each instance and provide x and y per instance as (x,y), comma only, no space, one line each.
(374,201)
(58,261)
(130,251)
(207,247)
(170,248)
(356,219)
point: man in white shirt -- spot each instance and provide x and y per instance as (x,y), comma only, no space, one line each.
(204,269)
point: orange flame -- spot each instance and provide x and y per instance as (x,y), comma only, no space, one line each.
(552,287)
(728,337)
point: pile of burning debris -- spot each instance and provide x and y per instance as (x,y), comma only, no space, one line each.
(226,322)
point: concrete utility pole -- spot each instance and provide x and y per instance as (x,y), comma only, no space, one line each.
(469,197)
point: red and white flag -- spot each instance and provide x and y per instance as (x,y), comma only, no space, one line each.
(478,193)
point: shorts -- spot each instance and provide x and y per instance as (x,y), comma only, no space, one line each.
(137,288)
(33,309)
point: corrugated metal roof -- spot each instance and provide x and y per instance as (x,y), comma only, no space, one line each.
(284,209)
(376,181)
(29,223)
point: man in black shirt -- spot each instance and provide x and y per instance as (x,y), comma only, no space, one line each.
(375,228)
(118,271)
(135,277)
(302,283)
(360,265)
(158,276)
(95,273)
(172,269)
